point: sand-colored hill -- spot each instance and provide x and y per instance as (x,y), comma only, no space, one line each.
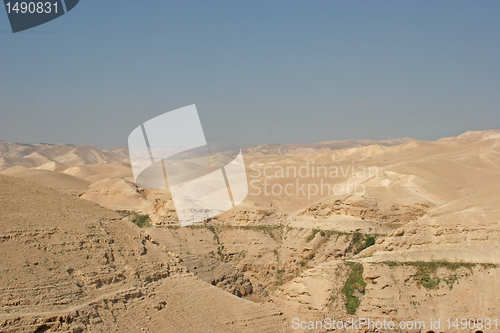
(71,265)
(53,166)
(117,194)
(477,135)
(97,172)
(53,179)
(420,218)
(407,176)
(35,155)
(297,148)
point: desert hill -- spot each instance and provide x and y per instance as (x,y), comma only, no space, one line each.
(282,149)
(49,178)
(34,155)
(410,177)
(478,135)
(416,220)
(71,265)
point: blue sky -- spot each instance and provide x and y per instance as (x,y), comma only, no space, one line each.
(258,71)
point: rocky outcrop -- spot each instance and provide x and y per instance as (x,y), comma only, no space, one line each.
(224,276)
(367,210)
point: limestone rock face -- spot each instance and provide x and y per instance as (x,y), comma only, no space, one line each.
(396,293)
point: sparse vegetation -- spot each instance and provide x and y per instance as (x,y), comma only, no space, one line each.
(213,230)
(274,231)
(220,247)
(279,277)
(141,220)
(360,241)
(354,285)
(426,271)
(370,240)
(311,236)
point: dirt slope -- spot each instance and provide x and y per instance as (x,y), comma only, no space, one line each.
(71,265)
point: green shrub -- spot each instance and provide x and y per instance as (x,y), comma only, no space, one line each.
(370,240)
(353,284)
(360,241)
(141,220)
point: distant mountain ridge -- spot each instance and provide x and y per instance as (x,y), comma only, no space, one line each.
(32,155)
(35,155)
(304,148)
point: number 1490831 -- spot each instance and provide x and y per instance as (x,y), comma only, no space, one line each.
(31,7)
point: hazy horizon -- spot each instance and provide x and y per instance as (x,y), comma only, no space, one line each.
(252,145)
